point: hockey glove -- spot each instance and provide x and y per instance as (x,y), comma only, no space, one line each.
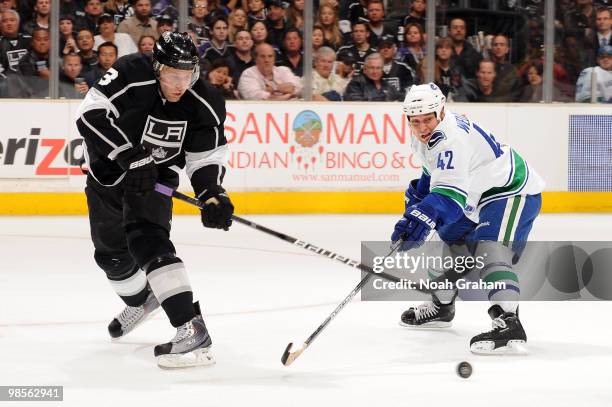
(414,227)
(218,209)
(412,194)
(140,170)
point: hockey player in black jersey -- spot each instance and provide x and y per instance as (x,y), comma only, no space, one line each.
(145,119)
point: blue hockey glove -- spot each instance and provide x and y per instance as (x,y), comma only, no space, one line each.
(414,227)
(413,196)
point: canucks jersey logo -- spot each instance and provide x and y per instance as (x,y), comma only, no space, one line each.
(435,139)
(163,138)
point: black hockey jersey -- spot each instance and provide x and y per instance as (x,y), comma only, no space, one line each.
(12,49)
(126,107)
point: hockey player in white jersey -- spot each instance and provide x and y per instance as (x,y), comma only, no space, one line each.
(477,193)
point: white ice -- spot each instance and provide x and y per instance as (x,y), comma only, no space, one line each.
(258,293)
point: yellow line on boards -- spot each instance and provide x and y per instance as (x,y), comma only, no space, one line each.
(46,203)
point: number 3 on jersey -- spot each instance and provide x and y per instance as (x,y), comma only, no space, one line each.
(108,77)
(445,162)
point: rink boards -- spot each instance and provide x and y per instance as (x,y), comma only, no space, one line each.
(313,157)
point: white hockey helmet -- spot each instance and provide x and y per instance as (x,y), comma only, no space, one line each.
(423,99)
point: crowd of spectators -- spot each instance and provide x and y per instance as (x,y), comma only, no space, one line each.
(363,50)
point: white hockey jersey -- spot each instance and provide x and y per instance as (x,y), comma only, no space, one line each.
(469,166)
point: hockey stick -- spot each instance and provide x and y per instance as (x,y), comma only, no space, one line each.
(289,356)
(165,190)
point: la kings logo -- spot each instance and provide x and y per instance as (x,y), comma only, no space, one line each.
(163,138)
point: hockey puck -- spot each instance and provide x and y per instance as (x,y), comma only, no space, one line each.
(464,370)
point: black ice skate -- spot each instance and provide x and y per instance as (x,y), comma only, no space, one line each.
(506,337)
(131,317)
(189,347)
(430,314)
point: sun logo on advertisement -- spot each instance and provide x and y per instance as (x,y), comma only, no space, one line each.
(307,128)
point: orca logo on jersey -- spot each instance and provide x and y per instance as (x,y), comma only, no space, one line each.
(163,138)
(436,137)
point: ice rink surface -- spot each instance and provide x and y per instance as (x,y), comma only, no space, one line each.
(258,293)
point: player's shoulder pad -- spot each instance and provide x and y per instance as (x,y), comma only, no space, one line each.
(141,65)
(212,101)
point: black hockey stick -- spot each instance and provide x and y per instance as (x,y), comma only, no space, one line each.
(289,356)
(165,190)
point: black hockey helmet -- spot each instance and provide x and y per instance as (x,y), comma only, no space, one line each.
(177,51)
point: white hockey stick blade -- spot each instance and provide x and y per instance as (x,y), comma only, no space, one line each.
(288,356)
(198,357)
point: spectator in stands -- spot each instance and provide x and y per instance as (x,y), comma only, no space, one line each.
(237,21)
(219,75)
(125,44)
(360,48)
(257,12)
(482,89)
(352,11)
(93,12)
(67,36)
(318,37)
(326,84)
(217,9)
(169,8)
(13,44)
(602,74)
(417,13)
(345,66)
(507,81)
(85,43)
(146,44)
(264,81)
(603,22)
(413,51)
(291,55)
(378,29)
(464,55)
(580,20)
(71,85)
(107,55)
(447,76)
(532,92)
(395,74)
(164,23)
(275,22)
(36,61)
(218,46)
(242,57)
(259,33)
(295,14)
(42,9)
(74,9)
(119,9)
(327,18)
(198,22)
(369,86)
(140,23)
(396,10)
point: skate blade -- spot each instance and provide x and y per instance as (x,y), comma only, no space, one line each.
(146,318)
(428,325)
(198,357)
(516,347)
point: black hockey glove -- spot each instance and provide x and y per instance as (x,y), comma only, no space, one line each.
(141,171)
(218,209)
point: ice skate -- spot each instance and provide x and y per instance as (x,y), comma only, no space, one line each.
(430,314)
(506,337)
(131,317)
(190,346)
